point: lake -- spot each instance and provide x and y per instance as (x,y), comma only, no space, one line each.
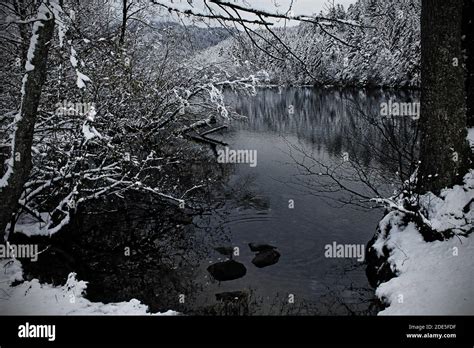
(294,132)
(274,206)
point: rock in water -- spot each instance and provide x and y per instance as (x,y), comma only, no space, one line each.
(260,247)
(227,270)
(266,258)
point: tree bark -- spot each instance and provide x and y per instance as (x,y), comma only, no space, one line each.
(123,28)
(25,123)
(468,45)
(444,149)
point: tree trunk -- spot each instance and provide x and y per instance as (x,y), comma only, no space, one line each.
(123,28)
(10,191)
(468,45)
(444,149)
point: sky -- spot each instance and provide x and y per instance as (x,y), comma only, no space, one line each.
(299,6)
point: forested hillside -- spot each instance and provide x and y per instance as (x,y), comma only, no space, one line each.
(383,51)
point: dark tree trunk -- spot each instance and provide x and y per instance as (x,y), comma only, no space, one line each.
(10,194)
(468,45)
(444,149)
(123,28)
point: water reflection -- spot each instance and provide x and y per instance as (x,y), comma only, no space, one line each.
(337,120)
(338,135)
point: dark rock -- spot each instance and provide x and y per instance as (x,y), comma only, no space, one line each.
(260,247)
(266,258)
(378,269)
(227,270)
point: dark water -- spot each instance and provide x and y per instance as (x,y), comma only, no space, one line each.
(278,122)
(171,252)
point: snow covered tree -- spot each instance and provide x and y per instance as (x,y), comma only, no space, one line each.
(123,128)
(19,163)
(374,44)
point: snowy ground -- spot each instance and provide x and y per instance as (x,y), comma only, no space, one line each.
(33,298)
(435,278)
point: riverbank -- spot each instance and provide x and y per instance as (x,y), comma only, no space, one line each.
(417,277)
(18,297)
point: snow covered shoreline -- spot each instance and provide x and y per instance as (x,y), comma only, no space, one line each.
(426,278)
(429,278)
(33,298)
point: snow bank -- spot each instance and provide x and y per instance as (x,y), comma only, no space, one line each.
(33,298)
(432,278)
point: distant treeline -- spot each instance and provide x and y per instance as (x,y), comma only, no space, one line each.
(383,51)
